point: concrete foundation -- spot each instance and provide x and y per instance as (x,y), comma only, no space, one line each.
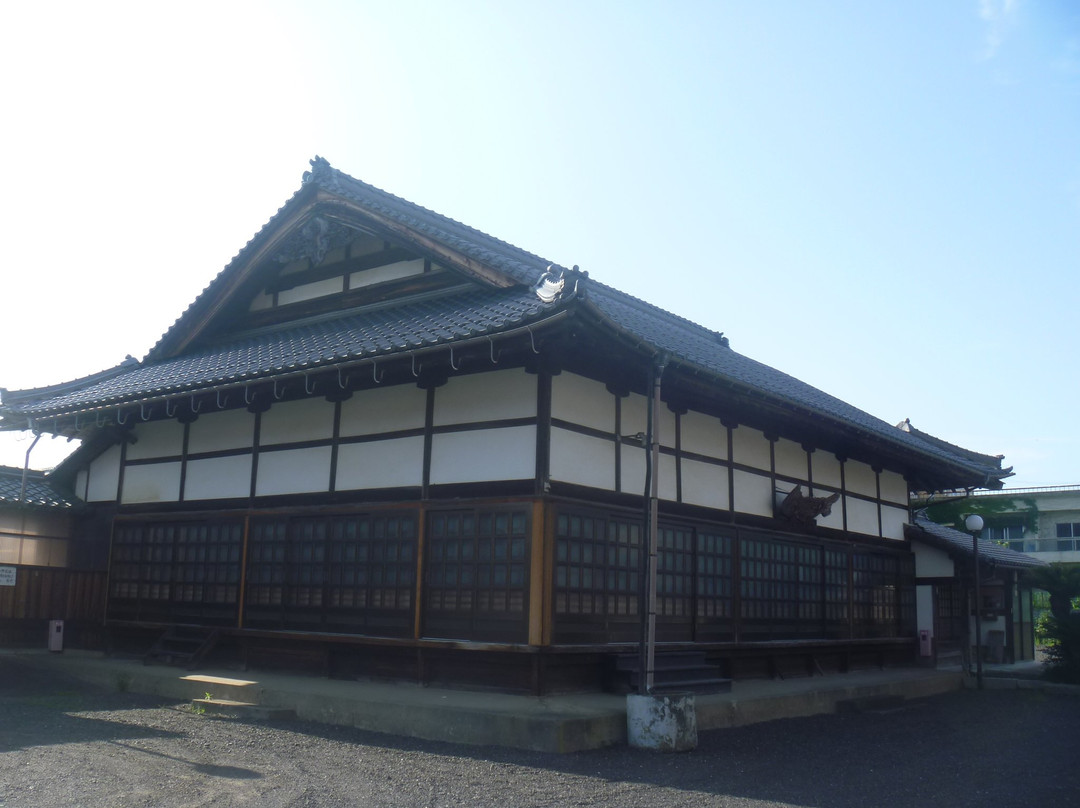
(662,723)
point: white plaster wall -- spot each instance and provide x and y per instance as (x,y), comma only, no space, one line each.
(633,469)
(582,401)
(753,492)
(790,459)
(826,468)
(924,608)
(930,562)
(862,516)
(486,397)
(383,409)
(82,477)
(309,291)
(835,519)
(893,520)
(894,488)
(154,482)
(704,435)
(704,484)
(230,429)
(293,471)
(484,454)
(157,439)
(388,272)
(218,478)
(582,460)
(635,418)
(104,476)
(751,448)
(860,478)
(294,421)
(380,464)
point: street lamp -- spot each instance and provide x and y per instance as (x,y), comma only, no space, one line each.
(974,524)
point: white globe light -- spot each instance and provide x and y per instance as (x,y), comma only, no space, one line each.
(974,523)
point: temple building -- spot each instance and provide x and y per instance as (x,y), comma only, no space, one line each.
(391,445)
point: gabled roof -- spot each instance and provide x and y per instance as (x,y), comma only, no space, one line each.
(959,545)
(40,491)
(504,289)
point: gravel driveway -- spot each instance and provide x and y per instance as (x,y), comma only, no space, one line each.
(63,743)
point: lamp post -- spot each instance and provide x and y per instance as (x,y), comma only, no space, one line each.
(974,524)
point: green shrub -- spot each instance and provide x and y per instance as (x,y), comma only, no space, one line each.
(1062,647)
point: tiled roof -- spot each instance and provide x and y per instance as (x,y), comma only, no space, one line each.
(40,491)
(519,265)
(690,343)
(324,341)
(956,542)
(460,314)
(522,266)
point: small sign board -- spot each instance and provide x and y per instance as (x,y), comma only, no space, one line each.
(7,576)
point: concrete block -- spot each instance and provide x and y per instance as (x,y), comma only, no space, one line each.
(662,723)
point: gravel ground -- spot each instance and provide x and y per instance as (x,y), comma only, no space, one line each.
(63,743)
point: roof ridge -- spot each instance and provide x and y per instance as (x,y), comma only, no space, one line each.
(322,171)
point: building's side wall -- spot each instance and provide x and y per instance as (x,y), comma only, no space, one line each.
(477,428)
(708,464)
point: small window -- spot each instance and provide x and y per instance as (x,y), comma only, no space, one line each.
(1068,530)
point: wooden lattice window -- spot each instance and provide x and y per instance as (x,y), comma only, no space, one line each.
(207,568)
(267,563)
(373,561)
(580,564)
(675,572)
(714,588)
(477,574)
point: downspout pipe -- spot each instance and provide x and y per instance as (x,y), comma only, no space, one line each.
(652,495)
(26,469)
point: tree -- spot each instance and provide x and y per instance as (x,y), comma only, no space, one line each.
(1061,627)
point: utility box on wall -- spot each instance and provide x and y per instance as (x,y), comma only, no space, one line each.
(925,644)
(56,635)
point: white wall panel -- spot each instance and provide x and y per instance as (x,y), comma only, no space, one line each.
(704,484)
(859,478)
(293,471)
(753,493)
(862,516)
(309,291)
(157,439)
(702,434)
(230,429)
(835,519)
(384,409)
(894,487)
(387,272)
(582,401)
(104,476)
(82,477)
(218,478)
(751,448)
(893,521)
(633,469)
(826,468)
(380,464)
(154,482)
(790,459)
(635,413)
(930,562)
(486,397)
(582,460)
(484,454)
(296,421)
(924,608)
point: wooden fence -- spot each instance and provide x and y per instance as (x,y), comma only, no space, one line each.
(42,594)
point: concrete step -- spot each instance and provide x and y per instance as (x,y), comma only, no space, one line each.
(227,708)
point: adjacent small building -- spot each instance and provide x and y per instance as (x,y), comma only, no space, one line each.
(385,440)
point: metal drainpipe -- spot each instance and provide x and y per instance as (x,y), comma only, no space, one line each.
(26,469)
(652,491)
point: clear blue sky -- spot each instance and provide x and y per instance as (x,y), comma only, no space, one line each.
(880,198)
